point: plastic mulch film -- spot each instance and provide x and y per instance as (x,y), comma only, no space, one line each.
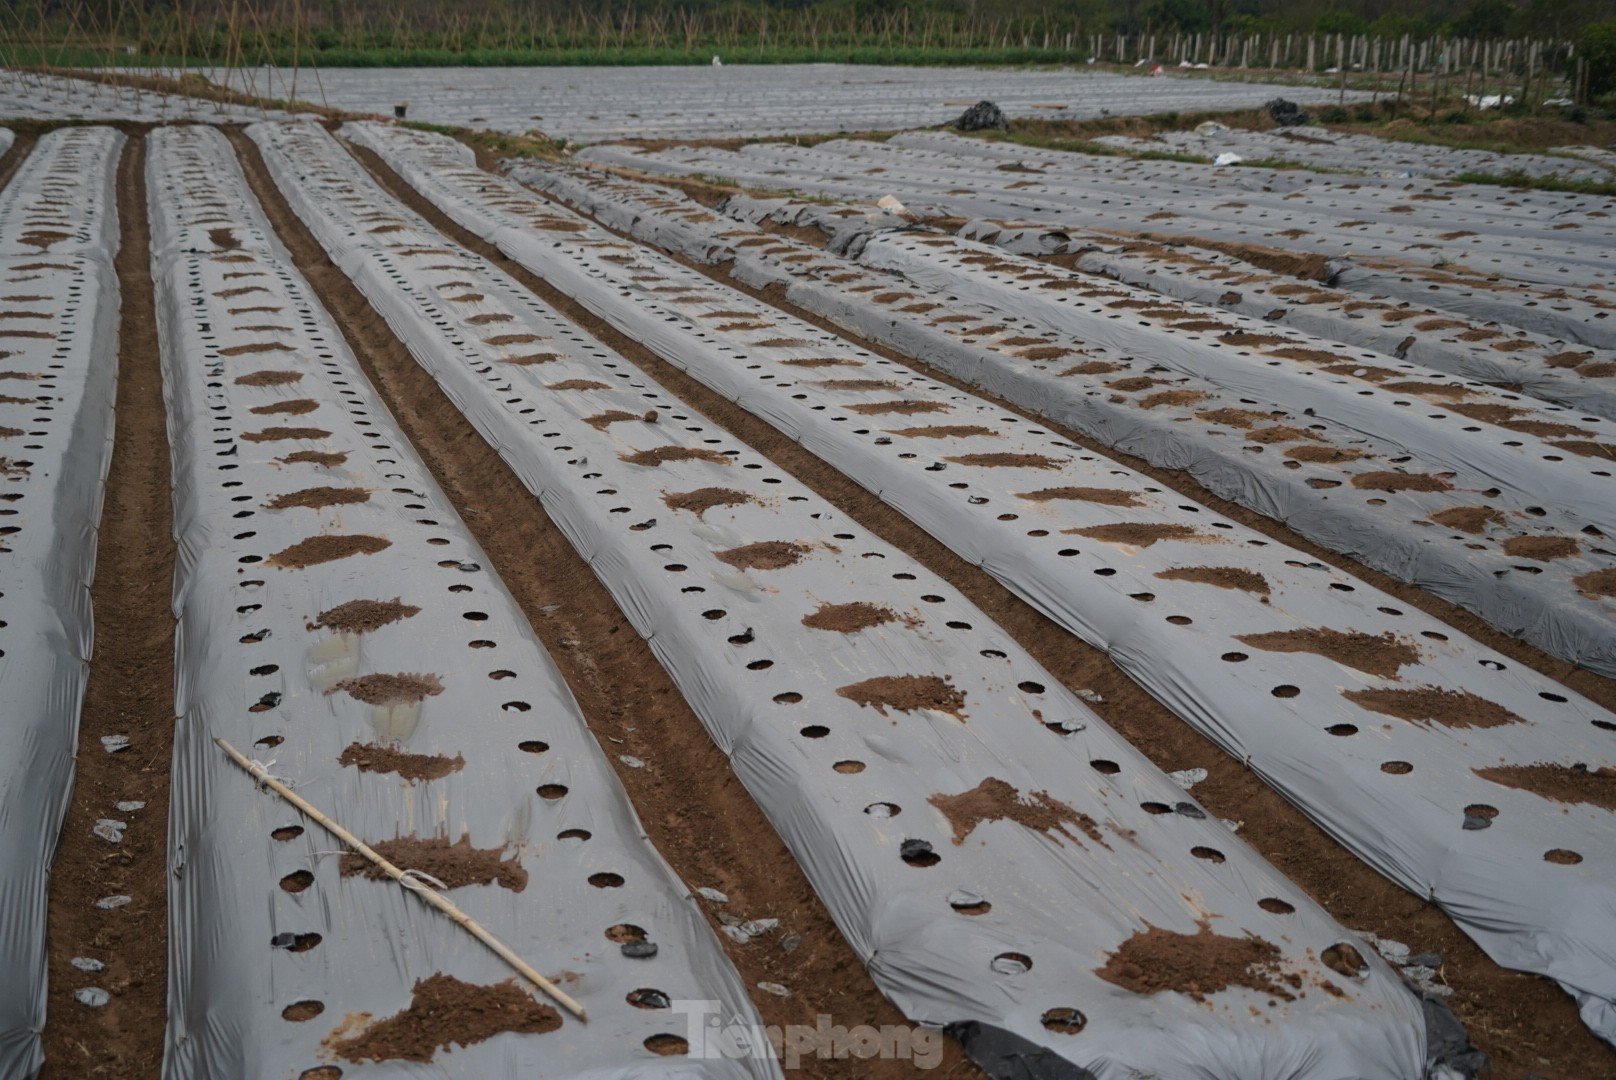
(1527,572)
(1546,368)
(987,844)
(1448,767)
(1554,240)
(1550,456)
(58,379)
(6,139)
(338,622)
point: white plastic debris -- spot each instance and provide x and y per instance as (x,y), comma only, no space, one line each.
(708,893)
(114,743)
(93,996)
(107,903)
(129,806)
(631,761)
(1228,157)
(1187,778)
(87,963)
(774,988)
(110,830)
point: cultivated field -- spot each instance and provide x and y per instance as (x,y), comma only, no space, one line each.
(1117,616)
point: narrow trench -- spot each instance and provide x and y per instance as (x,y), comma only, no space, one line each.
(130,692)
(1526,1024)
(696,812)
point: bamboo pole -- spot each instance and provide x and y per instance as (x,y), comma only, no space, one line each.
(261,774)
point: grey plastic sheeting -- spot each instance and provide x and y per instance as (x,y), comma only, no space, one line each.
(1319,147)
(260,921)
(1527,467)
(6,139)
(683,101)
(58,376)
(1541,367)
(945,175)
(30,95)
(854,778)
(1395,791)
(1238,452)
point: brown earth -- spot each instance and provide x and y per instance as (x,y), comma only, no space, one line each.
(1140,534)
(1469,519)
(130,692)
(444,1013)
(363,616)
(765,555)
(1007,461)
(1224,577)
(702,500)
(1526,1023)
(324,549)
(995,800)
(662,454)
(848,618)
(316,497)
(1428,705)
(370,757)
(1396,481)
(906,693)
(1540,548)
(1562,783)
(1378,654)
(381,689)
(721,839)
(327,459)
(943,431)
(1106,496)
(1599,583)
(455,864)
(1154,960)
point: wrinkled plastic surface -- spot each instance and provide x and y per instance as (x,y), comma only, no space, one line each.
(962,919)
(1297,466)
(262,921)
(1218,656)
(58,379)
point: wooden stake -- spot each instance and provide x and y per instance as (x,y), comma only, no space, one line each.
(413,885)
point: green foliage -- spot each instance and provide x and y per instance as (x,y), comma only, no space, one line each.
(1597,46)
(1340,22)
(1486,19)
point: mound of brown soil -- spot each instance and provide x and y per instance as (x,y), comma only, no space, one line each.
(1562,783)
(1171,397)
(327,548)
(316,497)
(1008,461)
(859,384)
(576,384)
(456,865)
(1235,418)
(1154,960)
(1540,548)
(905,407)
(268,378)
(1378,654)
(1105,496)
(704,499)
(1396,481)
(906,693)
(1138,534)
(363,616)
(405,688)
(1323,455)
(942,431)
(371,757)
(995,800)
(848,618)
(1600,583)
(1224,577)
(664,454)
(1469,519)
(1431,705)
(279,434)
(601,421)
(294,407)
(325,458)
(765,555)
(445,1012)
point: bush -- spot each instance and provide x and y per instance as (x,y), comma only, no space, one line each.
(1334,114)
(1596,44)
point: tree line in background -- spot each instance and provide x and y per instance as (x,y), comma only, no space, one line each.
(1441,36)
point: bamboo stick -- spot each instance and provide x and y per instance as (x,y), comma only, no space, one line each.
(413,885)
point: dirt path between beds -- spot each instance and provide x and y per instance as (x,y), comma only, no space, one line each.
(1527,1024)
(130,692)
(695,810)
